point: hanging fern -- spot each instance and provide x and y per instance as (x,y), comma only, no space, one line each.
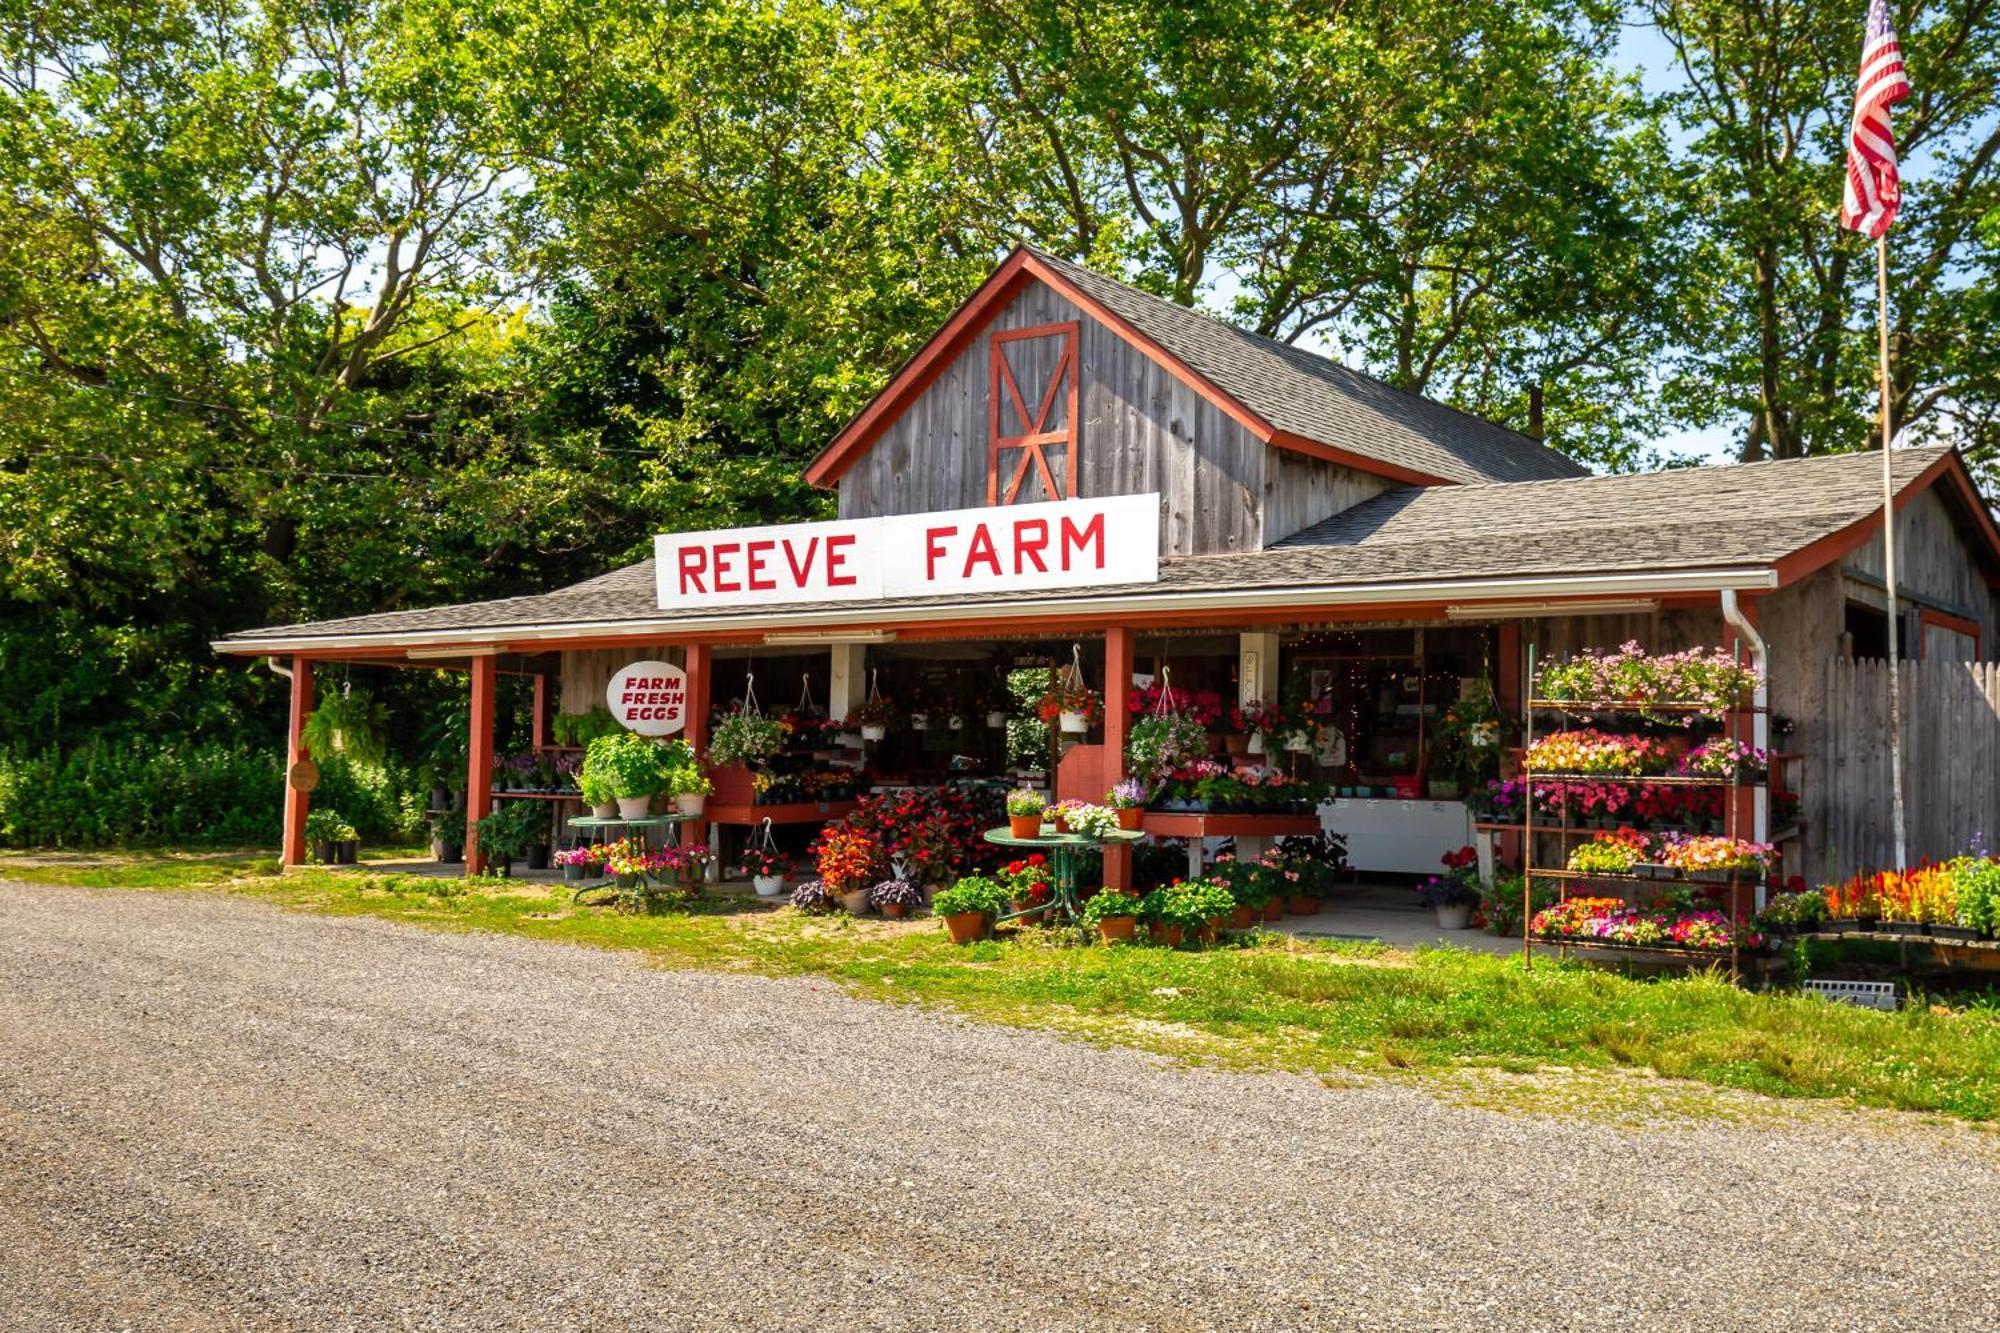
(349,723)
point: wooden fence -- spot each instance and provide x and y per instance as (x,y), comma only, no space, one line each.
(1951,764)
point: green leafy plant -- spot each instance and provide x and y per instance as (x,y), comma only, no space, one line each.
(512,828)
(974,893)
(597,789)
(1191,903)
(350,723)
(688,780)
(328,825)
(1092,821)
(1109,904)
(583,728)
(633,764)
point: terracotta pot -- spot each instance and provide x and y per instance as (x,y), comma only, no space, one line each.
(965,927)
(1238,746)
(1117,928)
(1033,918)
(1274,910)
(1025,826)
(1061,824)
(856,902)
(1243,917)
(1165,934)
(1131,819)
(893,910)
(1302,906)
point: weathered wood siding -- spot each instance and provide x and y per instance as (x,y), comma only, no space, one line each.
(1934,568)
(1557,637)
(1300,491)
(1951,783)
(587,671)
(1140,429)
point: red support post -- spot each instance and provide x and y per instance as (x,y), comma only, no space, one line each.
(1117,727)
(544,697)
(479,765)
(694,833)
(293,850)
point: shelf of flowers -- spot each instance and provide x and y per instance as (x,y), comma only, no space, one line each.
(779,768)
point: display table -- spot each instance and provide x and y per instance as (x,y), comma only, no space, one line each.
(1251,831)
(646,824)
(1401,837)
(1062,849)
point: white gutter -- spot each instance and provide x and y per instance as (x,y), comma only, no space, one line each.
(1750,578)
(1760,725)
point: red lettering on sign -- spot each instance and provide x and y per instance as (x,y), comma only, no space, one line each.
(754,559)
(836,559)
(1076,537)
(694,559)
(934,548)
(722,553)
(801,573)
(981,552)
(1026,550)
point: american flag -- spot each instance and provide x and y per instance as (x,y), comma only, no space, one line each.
(1869,203)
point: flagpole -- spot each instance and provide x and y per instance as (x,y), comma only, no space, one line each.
(1889,556)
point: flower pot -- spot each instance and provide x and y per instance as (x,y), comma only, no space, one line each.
(609,810)
(1955,933)
(920,722)
(1238,746)
(1255,744)
(690,805)
(996,719)
(629,881)
(634,807)
(1454,916)
(954,723)
(322,850)
(1061,824)
(1030,917)
(768,886)
(1117,928)
(502,866)
(874,731)
(894,910)
(1302,906)
(1298,744)
(1024,826)
(1243,917)
(346,850)
(538,856)
(447,853)
(1130,818)
(574,874)
(1274,910)
(1161,933)
(856,902)
(965,927)
(1076,724)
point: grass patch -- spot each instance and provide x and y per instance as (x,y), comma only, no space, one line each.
(1309,1005)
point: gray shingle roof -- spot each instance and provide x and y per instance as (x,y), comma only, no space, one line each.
(1746,515)
(1307,394)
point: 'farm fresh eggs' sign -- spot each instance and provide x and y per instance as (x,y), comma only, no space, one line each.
(649,698)
(1005,548)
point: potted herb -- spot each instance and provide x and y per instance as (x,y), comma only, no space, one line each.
(507,833)
(1024,812)
(746,738)
(333,839)
(895,897)
(635,767)
(1162,927)
(599,794)
(1454,894)
(1128,798)
(968,906)
(767,866)
(1114,914)
(690,787)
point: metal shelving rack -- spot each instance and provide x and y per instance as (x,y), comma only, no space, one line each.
(1734,785)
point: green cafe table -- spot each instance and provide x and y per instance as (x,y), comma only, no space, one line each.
(1062,849)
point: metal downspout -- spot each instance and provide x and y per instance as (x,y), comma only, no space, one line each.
(1760,725)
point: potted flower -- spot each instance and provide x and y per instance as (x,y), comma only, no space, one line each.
(871,718)
(968,906)
(1207,905)
(745,738)
(1162,925)
(1114,914)
(333,839)
(895,897)
(1254,721)
(1024,812)
(690,787)
(846,859)
(1097,822)
(1455,893)
(1128,798)
(1073,706)
(811,897)
(575,863)
(996,719)
(766,866)
(1060,812)
(1159,743)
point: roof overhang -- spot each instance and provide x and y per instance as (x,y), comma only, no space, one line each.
(1950,472)
(981,308)
(1154,605)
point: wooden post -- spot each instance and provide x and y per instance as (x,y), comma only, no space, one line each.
(479,765)
(1117,727)
(544,712)
(293,850)
(699,656)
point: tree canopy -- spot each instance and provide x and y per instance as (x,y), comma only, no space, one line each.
(310,308)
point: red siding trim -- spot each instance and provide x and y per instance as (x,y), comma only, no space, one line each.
(1956,624)
(1837,546)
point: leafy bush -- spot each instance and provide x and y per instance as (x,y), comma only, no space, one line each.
(326,824)
(633,764)
(975,893)
(1108,904)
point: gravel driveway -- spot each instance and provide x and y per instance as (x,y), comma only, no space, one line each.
(217,1115)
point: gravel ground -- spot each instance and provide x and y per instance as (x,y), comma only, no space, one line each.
(217,1115)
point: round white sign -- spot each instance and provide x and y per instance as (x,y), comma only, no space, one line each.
(649,698)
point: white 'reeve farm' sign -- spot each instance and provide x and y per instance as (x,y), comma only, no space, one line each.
(958,552)
(648,697)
